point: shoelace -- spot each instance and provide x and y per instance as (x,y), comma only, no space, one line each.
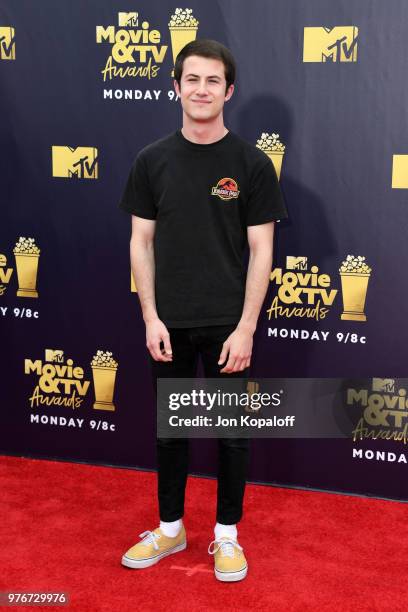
(150,538)
(226,546)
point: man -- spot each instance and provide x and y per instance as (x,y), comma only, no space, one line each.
(197,197)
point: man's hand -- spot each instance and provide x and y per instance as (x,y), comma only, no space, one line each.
(156,331)
(239,345)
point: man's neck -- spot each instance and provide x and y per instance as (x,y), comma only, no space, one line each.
(202,133)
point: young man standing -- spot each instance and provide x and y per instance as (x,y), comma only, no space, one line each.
(197,197)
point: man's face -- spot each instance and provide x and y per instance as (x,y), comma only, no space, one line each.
(202,88)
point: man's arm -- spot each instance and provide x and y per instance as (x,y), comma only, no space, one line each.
(143,270)
(239,344)
(260,241)
(142,264)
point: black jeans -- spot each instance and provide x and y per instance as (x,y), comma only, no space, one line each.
(172,453)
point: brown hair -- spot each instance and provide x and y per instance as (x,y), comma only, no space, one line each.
(205,47)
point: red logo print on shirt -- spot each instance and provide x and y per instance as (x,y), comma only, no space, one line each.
(226,189)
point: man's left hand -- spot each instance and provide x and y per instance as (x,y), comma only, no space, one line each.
(239,346)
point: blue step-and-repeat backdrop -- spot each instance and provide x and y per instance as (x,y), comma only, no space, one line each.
(322,89)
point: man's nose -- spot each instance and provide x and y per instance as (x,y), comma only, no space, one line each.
(202,88)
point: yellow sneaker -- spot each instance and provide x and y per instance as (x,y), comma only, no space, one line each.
(154,546)
(229,560)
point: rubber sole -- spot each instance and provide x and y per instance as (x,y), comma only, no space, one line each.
(231,576)
(142,563)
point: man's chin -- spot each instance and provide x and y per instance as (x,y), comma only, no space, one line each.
(204,114)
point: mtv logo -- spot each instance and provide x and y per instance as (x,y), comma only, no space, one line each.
(7,43)
(384,385)
(78,162)
(128,20)
(400,171)
(54,355)
(133,288)
(338,44)
(296,263)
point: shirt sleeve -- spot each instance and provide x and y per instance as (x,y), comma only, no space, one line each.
(137,197)
(265,202)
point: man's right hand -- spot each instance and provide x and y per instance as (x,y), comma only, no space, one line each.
(156,332)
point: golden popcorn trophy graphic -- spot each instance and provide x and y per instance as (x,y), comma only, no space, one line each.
(252,387)
(183,29)
(104,369)
(133,287)
(274,148)
(354,274)
(27,255)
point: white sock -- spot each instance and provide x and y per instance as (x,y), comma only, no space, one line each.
(171,530)
(225,531)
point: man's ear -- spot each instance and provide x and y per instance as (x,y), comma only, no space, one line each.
(176,87)
(229,93)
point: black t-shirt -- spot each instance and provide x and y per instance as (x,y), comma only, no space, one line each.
(203,197)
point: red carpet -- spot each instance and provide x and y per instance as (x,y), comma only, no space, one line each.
(65,526)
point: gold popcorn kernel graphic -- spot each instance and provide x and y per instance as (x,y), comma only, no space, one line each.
(75,162)
(354,274)
(104,369)
(128,20)
(7,43)
(26,254)
(338,44)
(400,171)
(274,148)
(183,29)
